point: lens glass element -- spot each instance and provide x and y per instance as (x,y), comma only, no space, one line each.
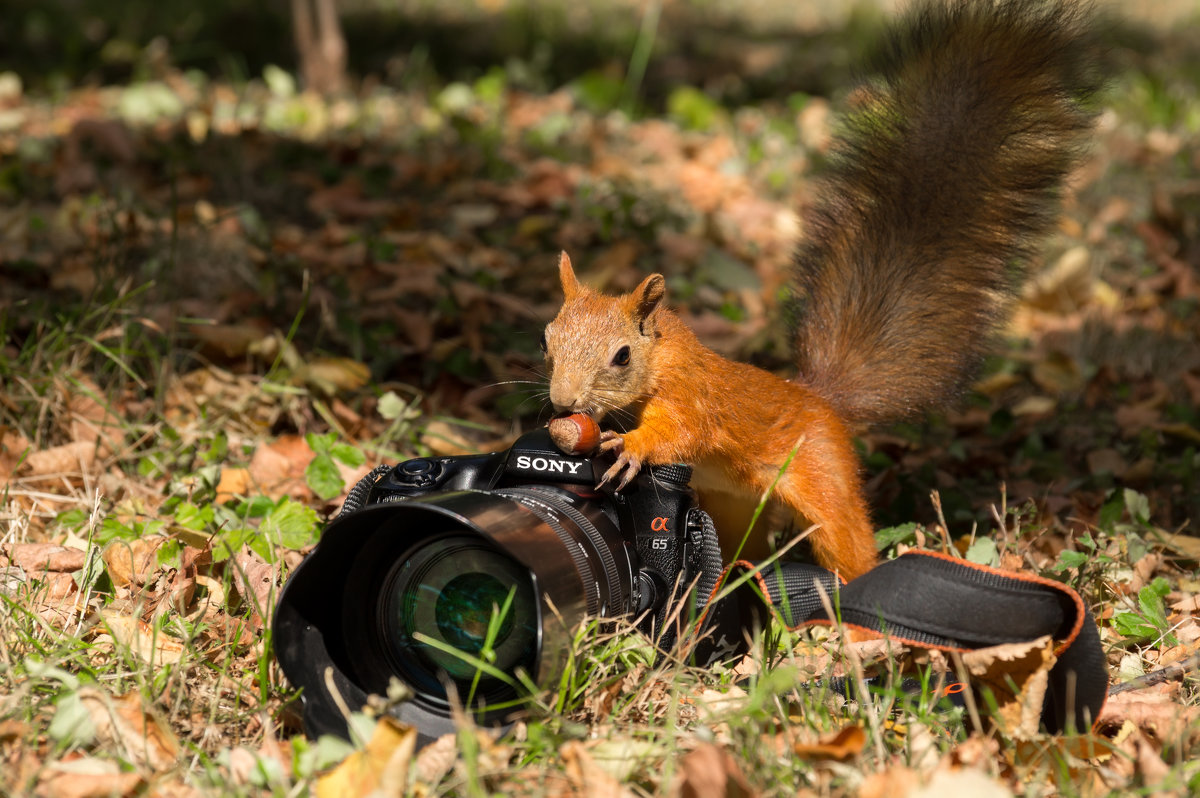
(465,608)
(455,599)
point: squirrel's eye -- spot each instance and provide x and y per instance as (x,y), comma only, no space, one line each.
(621,358)
(542,343)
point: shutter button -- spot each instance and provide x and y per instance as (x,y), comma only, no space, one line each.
(419,473)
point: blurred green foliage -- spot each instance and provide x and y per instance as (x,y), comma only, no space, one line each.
(539,44)
(53,44)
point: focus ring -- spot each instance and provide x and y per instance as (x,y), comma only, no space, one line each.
(539,507)
(616,595)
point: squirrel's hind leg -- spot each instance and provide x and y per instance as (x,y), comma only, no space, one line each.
(832,498)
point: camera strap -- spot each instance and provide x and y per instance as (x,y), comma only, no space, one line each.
(932,601)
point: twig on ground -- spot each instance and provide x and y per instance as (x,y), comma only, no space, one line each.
(1172,671)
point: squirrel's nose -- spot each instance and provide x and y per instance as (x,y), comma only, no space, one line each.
(569,397)
(568,407)
(563,398)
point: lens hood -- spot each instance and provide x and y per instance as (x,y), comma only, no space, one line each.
(341,634)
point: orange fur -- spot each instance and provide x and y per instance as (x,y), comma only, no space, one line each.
(694,406)
(940,186)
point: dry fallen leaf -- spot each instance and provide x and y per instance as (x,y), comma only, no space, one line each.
(1018,675)
(234,482)
(277,468)
(1034,406)
(589,778)
(1150,764)
(924,746)
(961,782)
(242,764)
(53,588)
(840,746)
(56,600)
(1160,716)
(245,764)
(381,766)
(13,449)
(255,583)
(719,702)
(1187,545)
(1138,757)
(446,439)
(332,375)
(92,420)
(37,558)
(140,638)
(12,730)
(1066,286)
(87,777)
(69,458)
(1078,752)
(435,760)
(895,782)
(229,341)
(132,561)
(710,771)
(141,736)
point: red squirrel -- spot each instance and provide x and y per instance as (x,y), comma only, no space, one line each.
(943,179)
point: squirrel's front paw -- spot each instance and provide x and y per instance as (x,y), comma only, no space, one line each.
(626,461)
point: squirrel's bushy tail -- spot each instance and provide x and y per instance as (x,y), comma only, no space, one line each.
(943,180)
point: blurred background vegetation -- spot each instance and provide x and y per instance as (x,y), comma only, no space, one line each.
(734,51)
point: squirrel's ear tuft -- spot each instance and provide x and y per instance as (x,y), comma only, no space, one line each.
(566,274)
(647,296)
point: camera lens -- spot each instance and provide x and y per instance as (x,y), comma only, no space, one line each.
(428,588)
(450,600)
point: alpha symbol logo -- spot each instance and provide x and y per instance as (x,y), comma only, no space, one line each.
(659,524)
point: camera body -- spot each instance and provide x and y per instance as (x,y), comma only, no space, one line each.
(652,513)
(465,577)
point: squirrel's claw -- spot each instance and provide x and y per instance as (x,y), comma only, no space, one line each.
(626,461)
(612,439)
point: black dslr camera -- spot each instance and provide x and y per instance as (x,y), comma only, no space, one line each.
(465,577)
(455,573)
